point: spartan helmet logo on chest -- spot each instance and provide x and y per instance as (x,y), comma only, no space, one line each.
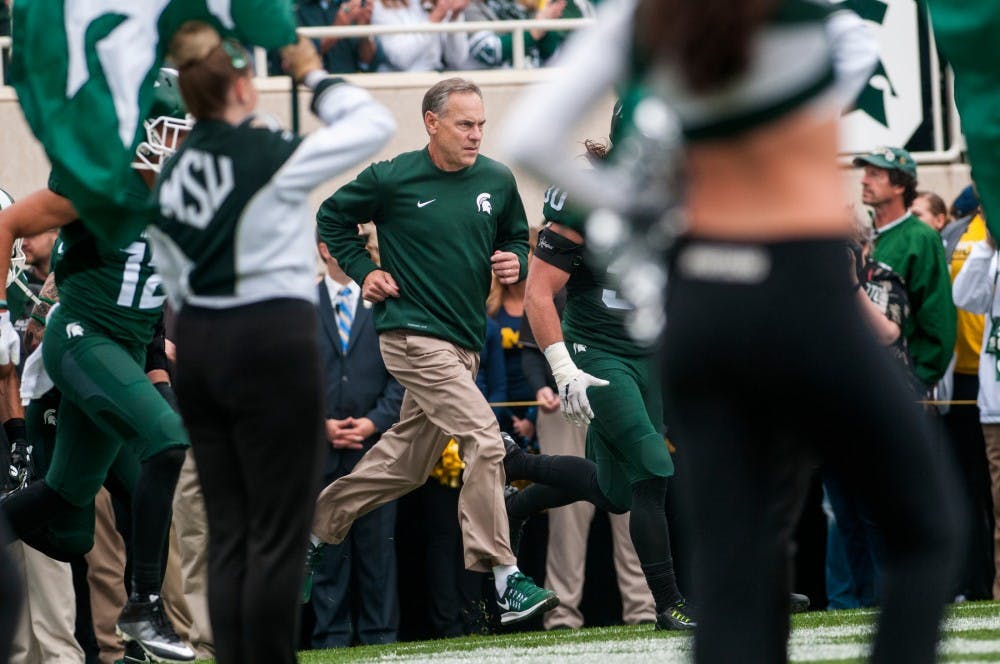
(483,203)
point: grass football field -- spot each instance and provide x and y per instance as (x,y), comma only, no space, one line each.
(971,634)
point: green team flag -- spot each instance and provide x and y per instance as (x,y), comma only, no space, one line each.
(966,32)
(84,73)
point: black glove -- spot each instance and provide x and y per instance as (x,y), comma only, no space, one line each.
(21,471)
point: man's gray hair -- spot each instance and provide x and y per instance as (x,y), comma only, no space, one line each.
(436,98)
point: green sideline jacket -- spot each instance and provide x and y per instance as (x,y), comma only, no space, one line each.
(914,251)
(436,232)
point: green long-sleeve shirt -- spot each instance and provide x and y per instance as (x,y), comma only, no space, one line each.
(437,231)
(914,251)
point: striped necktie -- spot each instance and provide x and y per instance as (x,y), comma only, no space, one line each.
(344,316)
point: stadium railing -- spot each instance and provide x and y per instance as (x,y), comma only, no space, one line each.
(517,28)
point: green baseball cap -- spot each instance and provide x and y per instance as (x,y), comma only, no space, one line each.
(891,159)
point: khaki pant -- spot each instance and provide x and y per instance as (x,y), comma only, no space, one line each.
(991,432)
(441,402)
(45,631)
(106,579)
(172,592)
(567,547)
(190,542)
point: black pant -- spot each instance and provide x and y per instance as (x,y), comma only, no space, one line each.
(965,440)
(248,382)
(10,595)
(769,365)
(354,593)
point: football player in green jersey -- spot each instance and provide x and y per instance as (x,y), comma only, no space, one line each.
(16,462)
(94,353)
(23,295)
(10,585)
(608,381)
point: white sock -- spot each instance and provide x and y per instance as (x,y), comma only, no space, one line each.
(315,541)
(500,574)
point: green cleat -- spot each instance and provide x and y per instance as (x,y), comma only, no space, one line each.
(523,599)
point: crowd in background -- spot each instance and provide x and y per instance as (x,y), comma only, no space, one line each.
(432,51)
(448,51)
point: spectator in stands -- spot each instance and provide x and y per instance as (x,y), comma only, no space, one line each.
(961,383)
(489,49)
(342,55)
(573,9)
(964,211)
(975,290)
(930,209)
(505,305)
(339,55)
(421,51)
(492,376)
(962,422)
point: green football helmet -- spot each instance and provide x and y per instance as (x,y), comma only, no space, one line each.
(17,257)
(167,123)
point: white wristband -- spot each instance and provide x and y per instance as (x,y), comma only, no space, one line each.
(314,78)
(563,368)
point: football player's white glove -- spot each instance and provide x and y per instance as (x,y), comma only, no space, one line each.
(573,384)
(10,342)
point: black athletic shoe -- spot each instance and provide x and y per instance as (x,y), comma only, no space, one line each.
(144,622)
(677,616)
(516,525)
(134,654)
(512,455)
(798,603)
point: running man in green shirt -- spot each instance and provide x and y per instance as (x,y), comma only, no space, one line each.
(446,217)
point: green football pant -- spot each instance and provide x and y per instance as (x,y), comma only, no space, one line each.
(107,403)
(625,438)
(71,532)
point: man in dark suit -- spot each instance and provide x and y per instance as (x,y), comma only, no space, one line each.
(354,586)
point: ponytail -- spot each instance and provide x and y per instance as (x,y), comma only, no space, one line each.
(207,67)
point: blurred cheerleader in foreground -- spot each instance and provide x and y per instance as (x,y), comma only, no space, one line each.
(768,367)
